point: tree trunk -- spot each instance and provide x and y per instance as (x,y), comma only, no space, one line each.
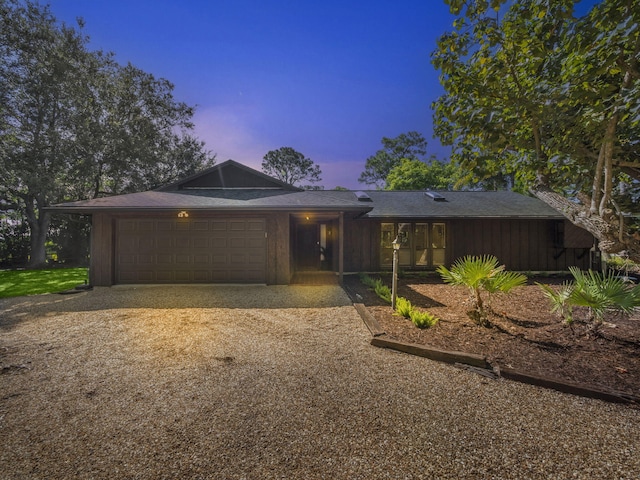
(38,222)
(605,229)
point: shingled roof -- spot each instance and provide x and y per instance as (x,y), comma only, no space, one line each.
(231,186)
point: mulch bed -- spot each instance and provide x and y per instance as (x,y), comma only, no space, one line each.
(525,335)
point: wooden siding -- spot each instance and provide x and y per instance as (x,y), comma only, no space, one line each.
(521,245)
(278,250)
(101,271)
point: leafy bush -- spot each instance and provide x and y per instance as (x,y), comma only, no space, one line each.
(377,286)
(382,291)
(420,319)
(622,263)
(599,293)
(481,273)
(367,281)
(403,307)
(423,319)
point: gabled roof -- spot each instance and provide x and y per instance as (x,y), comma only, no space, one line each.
(228,175)
(232,186)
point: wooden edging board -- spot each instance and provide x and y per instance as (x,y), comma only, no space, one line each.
(507,373)
(379,340)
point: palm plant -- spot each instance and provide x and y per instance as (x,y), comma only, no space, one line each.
(481,273)
(599,293)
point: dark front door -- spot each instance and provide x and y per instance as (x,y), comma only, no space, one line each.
(307,246)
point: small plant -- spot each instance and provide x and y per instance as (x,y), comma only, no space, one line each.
(423,319)
(420,319)
(480,274)
(382,291)
(599,293)
(403,307)
(367,281)
(560,300)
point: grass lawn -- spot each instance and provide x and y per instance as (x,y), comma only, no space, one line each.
(15,283)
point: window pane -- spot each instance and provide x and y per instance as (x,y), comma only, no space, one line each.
(438,243)
(420,240)
(404,235)
(387,235)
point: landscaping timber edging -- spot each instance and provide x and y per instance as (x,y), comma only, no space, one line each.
(567,387)
(368,319)
(380,340)
(432,353)
(479,361)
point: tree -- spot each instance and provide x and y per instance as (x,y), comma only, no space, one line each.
(549,97)
(418,175)
(411,145)
(290,166)
(74,124)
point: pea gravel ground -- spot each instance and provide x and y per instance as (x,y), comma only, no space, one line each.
(260,382)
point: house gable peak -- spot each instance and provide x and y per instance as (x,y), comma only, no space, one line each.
(229,175)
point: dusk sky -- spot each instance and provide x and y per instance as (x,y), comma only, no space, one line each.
(328,78)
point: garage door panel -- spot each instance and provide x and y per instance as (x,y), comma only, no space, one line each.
(146,259)
(201,242)
(183,259)
(165,243)
(165,226)
(165,259)
(220,259)
(187,251)
(181,242)
(164,276)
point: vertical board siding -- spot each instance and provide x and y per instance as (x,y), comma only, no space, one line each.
(101,268)
(523,245)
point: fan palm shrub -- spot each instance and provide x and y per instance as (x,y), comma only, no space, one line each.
(481,274)
(600,293)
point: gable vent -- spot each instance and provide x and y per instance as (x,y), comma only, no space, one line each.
(362,197)
(435,196)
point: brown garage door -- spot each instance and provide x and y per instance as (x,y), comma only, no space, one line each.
(191,251)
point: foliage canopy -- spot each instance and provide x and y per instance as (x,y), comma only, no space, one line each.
(554,99)
(74,124)
(290,166)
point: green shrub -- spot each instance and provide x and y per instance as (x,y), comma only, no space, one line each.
(599,293)
(367,281)
(382,291)
(403,307)
(479,274)
(423,319)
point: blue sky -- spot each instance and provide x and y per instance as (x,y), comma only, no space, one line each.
(328,78)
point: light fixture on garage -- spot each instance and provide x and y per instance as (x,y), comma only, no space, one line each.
(306,218)
(183,214)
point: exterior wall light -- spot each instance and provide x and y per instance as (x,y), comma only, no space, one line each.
(183,214)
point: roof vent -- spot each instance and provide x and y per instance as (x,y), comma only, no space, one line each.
(362,197)
(435,196)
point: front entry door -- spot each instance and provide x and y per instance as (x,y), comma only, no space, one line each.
(307,246)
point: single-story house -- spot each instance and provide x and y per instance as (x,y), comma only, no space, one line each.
(233,224)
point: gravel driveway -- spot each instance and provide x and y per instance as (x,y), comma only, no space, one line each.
(269,382)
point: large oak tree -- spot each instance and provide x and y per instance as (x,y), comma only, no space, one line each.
(554,98)
(74,124)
